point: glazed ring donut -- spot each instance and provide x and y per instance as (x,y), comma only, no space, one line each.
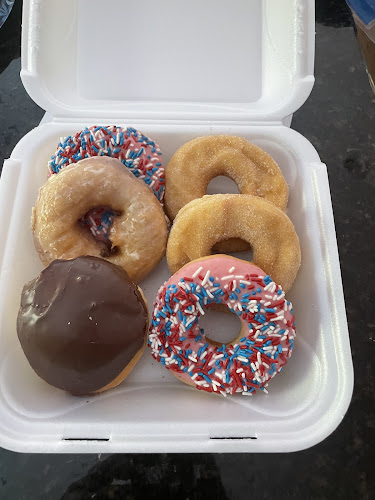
(205,221)
(140,154)
(197,162)
(253,357)
(138,234)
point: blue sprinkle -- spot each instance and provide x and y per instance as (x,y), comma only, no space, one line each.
(207,379)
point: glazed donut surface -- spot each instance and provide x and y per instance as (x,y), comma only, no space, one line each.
(138,234)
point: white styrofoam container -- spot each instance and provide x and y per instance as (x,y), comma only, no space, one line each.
(176,70)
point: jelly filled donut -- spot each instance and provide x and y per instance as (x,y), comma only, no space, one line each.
(82,325)
(205,221)
(253,357)
(138,234)
(140,154)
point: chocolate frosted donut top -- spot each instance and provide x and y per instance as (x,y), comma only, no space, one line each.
(80,323)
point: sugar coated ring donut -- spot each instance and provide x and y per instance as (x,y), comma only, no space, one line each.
(197,162)
(138,234)
(205,221)
(258,352)
(140,154)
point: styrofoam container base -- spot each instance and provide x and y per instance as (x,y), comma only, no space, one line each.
(151,411)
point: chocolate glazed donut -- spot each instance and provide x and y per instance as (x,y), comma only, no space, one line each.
(82,324)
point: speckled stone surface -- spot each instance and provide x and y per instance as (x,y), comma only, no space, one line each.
(339,119)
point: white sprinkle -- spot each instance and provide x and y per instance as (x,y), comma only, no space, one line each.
(199,307)
(247,394)
(266,304)
(92,230)
(244,282)
(215,382)
(209,294)
(191,320)
(90,318)
(197,272)
(219,375)
(203,355)
(264,390)
(69,323)
(253,367)
(241,358)
(194,376)
(234,286)
(192,359)
(227,277)
(259,358)
(240,370)
(231,269)
(200,382)
(219,356)
(206,278)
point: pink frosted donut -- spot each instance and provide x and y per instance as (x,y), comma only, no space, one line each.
(258,352)
(140,154)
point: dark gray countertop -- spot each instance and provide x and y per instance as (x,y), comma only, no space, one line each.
(339,120)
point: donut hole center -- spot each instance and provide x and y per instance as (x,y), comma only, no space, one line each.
(220,326)
(222,185)
(97,221)
(225,246)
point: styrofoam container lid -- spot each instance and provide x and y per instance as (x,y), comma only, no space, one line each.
(247,60)
(176,70)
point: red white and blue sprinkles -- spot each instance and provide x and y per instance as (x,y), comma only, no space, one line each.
(140,154)
(177,341)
